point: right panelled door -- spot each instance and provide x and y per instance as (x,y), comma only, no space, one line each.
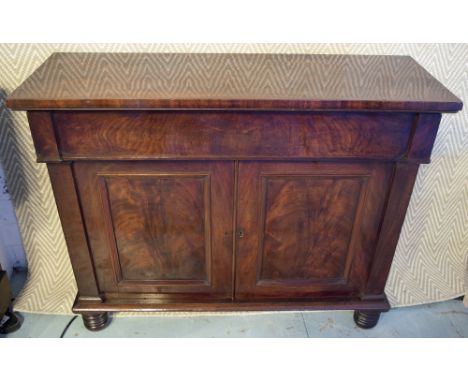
(307,229)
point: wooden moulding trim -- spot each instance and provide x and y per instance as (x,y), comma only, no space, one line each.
(259,104)
(81,306)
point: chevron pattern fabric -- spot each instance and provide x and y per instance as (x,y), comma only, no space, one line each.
(432,255)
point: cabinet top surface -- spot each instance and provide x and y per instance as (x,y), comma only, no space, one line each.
(234,81)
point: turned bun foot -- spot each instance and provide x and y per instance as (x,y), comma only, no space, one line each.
(366,319)
(95,321)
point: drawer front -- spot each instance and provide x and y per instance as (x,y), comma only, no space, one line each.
(231,135)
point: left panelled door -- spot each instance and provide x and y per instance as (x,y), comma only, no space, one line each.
(159,228)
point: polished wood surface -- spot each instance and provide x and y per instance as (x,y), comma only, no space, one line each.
(162,218)
(44,136)
(404,177)
(68,206)
(310,218)
(161,227)
(232,135)
(308,229)
(296,207)
(194,305)
(212,80)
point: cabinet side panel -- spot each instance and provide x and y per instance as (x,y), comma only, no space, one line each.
(69,211)
(394,216)
(423,138)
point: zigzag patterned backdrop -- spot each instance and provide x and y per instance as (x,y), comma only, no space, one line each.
(431,258)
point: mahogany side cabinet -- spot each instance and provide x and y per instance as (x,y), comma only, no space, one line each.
(201,182)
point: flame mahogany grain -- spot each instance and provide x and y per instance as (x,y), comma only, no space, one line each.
(310,228)
(228,135)
(161,227)
(232,182)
